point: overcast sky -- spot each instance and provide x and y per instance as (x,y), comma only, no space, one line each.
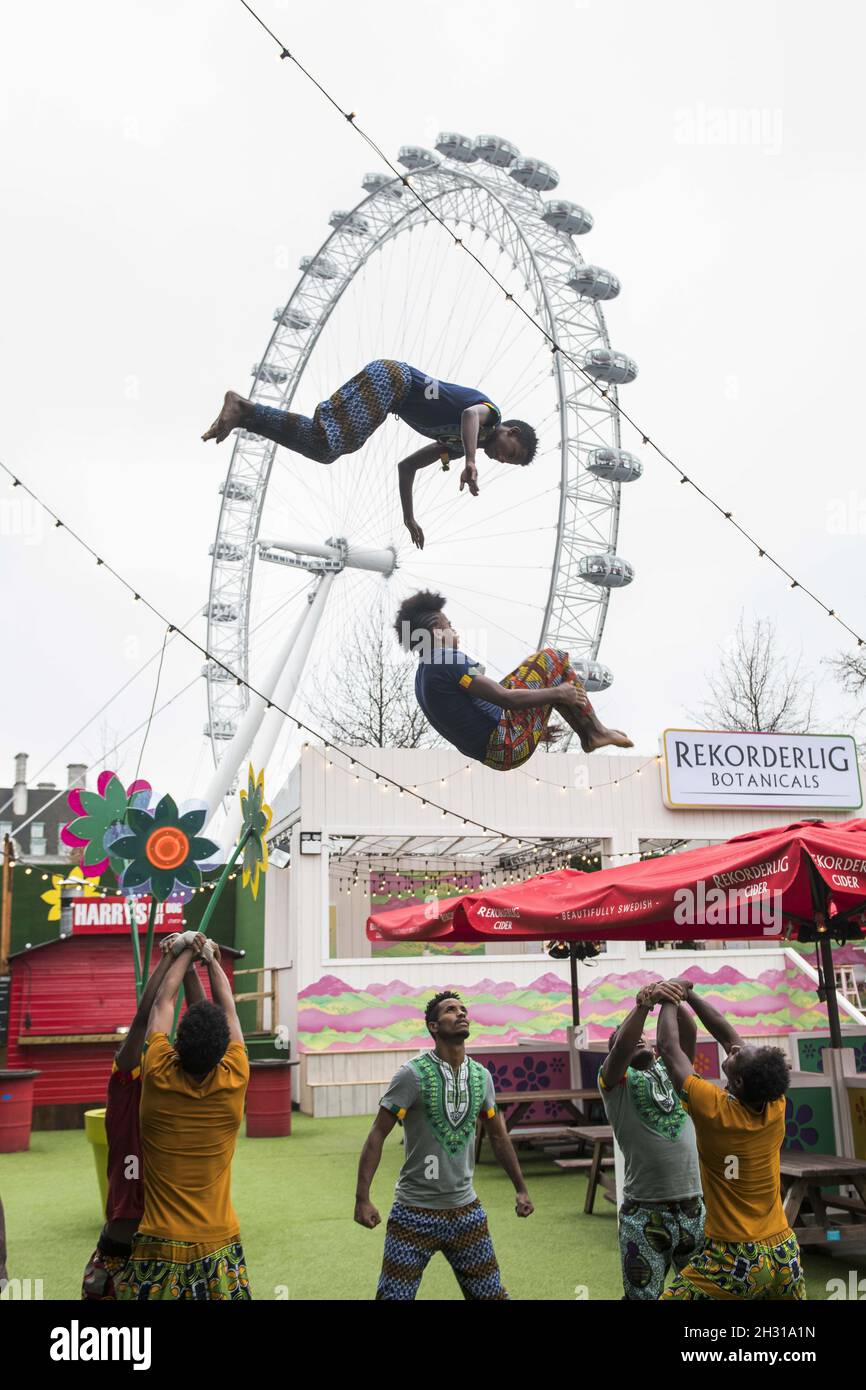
(160,170)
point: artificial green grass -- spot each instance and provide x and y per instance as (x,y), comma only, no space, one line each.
(294,1198)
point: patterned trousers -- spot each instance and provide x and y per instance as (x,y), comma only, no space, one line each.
(344,422)
(653,1237)
(413,1236)
(519,732)
(754,1270)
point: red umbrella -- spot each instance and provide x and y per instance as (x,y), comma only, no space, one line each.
(806,880)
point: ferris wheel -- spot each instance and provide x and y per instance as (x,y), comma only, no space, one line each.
(532,560)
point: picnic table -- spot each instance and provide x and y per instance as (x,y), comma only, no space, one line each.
(515,1106)
(600,1137)
(803,1177)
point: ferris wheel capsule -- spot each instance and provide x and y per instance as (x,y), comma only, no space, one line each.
(567,217)
(416,157)
(607,571)
(218,612)
(220,729)
(237,491)
(224,550)
(496,151)
(388,184)
(614,465)
(292,318)
(593,282)
(274,376)
(535,174)
(592,675)
(606,365)
(320,265)
(213,671)
(349,222)
(454,146)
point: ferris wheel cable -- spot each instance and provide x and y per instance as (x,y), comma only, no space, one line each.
(555,347)
(152,707)
(459,590)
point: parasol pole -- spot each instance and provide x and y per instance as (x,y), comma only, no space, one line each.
(827,985)
(575,993)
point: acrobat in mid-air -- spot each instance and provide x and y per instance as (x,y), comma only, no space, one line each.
(498,723)
(458,419)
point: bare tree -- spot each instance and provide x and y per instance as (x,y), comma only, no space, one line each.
(371,698)
(850,671)
(757,687)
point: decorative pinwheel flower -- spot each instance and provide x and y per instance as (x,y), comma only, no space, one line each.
(99,817)
(256,820)
(164,851)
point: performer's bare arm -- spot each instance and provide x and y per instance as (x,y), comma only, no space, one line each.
(503,1152)
(407,468)
(568,695)
(679,1065)
(221,993)
(128,1055)
(471,421)
(162,1013)
(371,1155)
(714,1022)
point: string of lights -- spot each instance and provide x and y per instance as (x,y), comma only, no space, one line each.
(406,180)
(139,597)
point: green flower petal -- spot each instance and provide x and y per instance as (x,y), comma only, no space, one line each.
(202,849)
(162,883)
(166,812)
(191,822)
(188,875)
(139,821)
(127,847)
(137,873)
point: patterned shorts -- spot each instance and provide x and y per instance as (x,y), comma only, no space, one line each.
(766,1269)
(519,732)
(180,1269)
(342,423)
(413,1236)
(653,1237)
(97,1285)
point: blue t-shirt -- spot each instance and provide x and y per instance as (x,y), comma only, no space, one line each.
(440,687)
(434,408)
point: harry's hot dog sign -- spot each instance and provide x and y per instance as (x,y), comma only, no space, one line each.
(111,916)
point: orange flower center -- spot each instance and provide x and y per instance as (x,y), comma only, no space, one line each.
(167,848)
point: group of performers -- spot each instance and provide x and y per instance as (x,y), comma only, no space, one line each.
(701,1192)
(702,1189)
(498,723)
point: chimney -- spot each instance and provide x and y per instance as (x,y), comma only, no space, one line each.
(19,791)
(76,775)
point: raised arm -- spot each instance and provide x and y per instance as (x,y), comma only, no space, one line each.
(406,469)
(162,1013)
(714,1022)
(470,426)
(616,1062)
(679,1065)
(371,1156)
(128,1055)
(221,992)
(688,1033)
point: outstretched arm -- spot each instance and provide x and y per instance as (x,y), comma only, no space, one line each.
(407,468)
(162,1013)
(128,1055)
(221,992)
(615,1064)
(371,1156)
(470,426)
(714,1022)
(678,1064)
(503,1152)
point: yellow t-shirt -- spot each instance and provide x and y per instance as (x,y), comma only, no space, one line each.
(739,1156)
(188,1134)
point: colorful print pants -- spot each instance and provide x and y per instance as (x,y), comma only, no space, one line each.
(413,1236)
(654,1237)
(344,422)
(766,1269)
(519,732)
(179,1269)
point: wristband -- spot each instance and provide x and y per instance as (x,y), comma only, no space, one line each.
(185,940)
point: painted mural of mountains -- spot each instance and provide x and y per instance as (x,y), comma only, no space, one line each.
(333,1016)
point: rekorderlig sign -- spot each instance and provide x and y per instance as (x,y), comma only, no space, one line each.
(705,768)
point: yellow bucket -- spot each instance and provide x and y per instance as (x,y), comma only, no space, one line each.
(94,1129)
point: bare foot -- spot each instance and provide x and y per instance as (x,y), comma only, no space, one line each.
(230,417)
(593,739)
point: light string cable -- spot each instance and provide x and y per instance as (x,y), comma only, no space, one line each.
(139,597)
(405,179)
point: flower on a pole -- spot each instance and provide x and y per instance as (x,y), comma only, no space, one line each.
(163,851)
(53,896)
(256,818)
(99,816)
